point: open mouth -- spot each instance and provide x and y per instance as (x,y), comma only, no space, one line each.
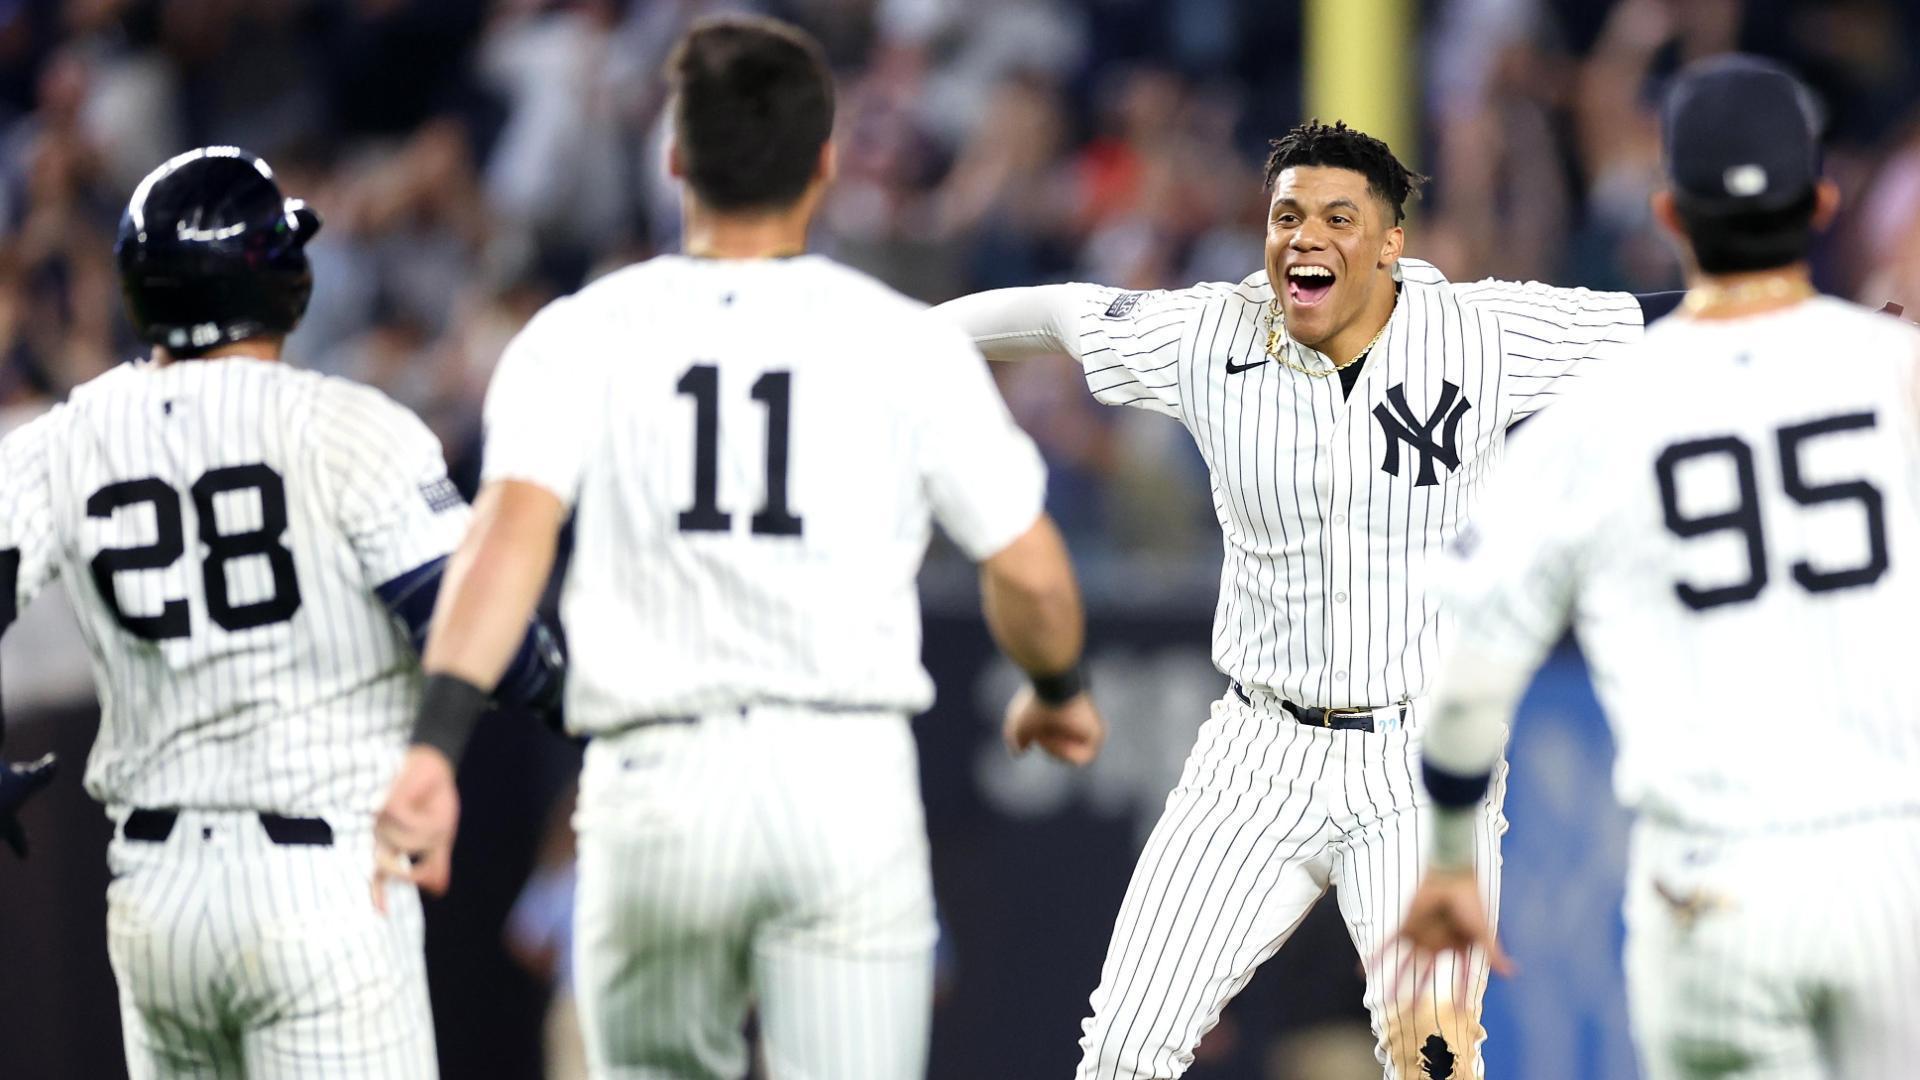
(1308,285)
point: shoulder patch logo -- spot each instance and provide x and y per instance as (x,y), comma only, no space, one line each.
(1124,304)
(441,495)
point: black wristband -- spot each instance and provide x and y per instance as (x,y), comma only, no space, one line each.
(1060,688)
(1452,790)
(449,709)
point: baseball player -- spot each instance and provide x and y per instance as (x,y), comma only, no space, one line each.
(1350,404)
(252,551)
(1737,553)
(755,442)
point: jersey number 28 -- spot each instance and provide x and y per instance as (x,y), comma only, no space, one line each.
(169,545)
(1744,518)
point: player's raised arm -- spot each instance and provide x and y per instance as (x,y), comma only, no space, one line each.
(1019,324)
(26,566)
(1546,332)
(1130,344)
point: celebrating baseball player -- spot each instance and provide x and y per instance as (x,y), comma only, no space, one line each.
(1350,404)
(1735,552)
(755,442)
(253,551)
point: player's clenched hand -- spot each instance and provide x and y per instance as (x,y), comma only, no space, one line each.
(1071,731)
(413,836)
(1446,915)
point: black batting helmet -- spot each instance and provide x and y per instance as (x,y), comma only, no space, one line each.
(211,252)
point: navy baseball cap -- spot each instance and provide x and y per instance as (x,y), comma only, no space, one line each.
(1741,135)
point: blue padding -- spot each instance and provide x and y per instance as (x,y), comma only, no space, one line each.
(534,677)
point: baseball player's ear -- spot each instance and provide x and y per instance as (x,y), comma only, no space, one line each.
(829,167)
(1668,215)
(1395,243)
(1826,203)
(675,167)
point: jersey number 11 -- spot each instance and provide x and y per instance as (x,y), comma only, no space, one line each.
(774,389)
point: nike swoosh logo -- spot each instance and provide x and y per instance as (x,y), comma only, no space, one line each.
(1235,369)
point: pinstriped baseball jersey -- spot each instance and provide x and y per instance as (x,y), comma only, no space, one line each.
(1737,549)
(757,449)
(220,526)
(1333,506)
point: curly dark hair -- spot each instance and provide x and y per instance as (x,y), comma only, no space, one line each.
(1338,146)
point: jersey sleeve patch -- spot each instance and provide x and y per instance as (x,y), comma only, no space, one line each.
(441,495)
(1124,304)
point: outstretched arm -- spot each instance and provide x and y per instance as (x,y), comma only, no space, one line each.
(1132,346)
(1019,324)
(1546,332)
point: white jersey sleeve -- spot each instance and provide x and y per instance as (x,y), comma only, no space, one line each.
(1547,332)
(28,539)
(533,433)
(984,478)
(1131,345)
(397,506)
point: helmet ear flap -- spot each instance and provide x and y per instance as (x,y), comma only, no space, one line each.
(306,220)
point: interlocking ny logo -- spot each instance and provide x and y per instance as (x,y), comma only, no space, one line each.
(1437,1058)
(1399,424)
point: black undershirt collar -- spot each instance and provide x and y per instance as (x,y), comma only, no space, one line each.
(1350,375)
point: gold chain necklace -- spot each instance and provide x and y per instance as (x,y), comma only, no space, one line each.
(1705,296)
(1275,333)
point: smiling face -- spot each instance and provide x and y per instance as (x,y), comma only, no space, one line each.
(1331,246)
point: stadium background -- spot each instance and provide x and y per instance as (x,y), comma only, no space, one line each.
(473,159)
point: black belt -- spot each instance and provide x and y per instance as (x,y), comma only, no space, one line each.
(1337,719)
(154,826)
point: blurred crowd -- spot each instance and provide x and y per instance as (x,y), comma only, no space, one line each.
(474,158)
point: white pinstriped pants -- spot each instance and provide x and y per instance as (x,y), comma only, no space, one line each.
(237,957)
(1268,814)
(1787,956)
(776,857)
